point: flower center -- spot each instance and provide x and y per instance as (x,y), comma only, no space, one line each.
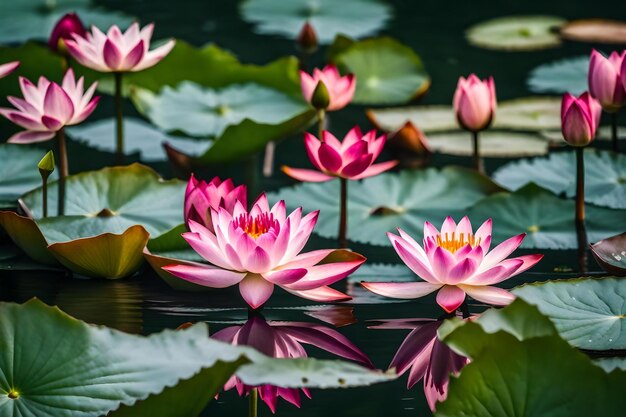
(455,242)
(256,226)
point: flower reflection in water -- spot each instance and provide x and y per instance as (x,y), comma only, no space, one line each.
(282,339)
(425,357)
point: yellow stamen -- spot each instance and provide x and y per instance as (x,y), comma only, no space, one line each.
(455,242)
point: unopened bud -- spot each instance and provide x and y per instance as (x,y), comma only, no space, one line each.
(321,97)
(307,39)
(46,165)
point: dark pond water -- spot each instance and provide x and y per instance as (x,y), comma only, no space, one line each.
(435,29)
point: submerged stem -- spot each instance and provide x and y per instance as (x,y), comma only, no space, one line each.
(119,118)
(581,232)
(478,161)
(614,138)
(63,171)
(343,213)
(253,401)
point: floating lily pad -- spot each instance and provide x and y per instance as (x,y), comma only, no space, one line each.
(355,18)
(19,172)
(387,71)
(589,313)
(605,176)
(35,19)
(529,113)
(204,112)
(140,137)
(562,76)
(595,31)
(611,254)
(428,119)
(493,144)
(381,204)
(547,219)
(517,33)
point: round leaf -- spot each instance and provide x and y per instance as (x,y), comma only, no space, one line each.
(355,18)
(492,144)
(605,176)
(27,236)
(428,119)
(595,31)
(516,33)
(562,76)
(589,313)
(529,113)
(18,172)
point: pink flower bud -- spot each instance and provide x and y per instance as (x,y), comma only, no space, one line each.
(579,118)
(607,80)
(475,102)
(65,28)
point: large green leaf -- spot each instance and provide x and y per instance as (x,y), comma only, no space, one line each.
(383,203)
(34,19)
(387,71)
(605,176)
(562,76)
(428,119)
(516,33)
(18,172)
(521,367)
(493,144)
(355,18)
(547,219)
(35,60)
(589,313)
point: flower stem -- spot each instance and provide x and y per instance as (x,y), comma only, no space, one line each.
(614,137)
(253,401)
(268,162)
(321,118)
(581,233)
(478,161)
(44,189)
(119,118)
(343,213)
(63,171)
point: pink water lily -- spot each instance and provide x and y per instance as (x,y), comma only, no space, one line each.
(116,51)
(259,249)
(580,118)
(9,67)
(284,340)
(351,159)
(201,197)
(64,30)
(426,357)
(606,79)
(474,102)
(340,89)
(455,261)
(48,107)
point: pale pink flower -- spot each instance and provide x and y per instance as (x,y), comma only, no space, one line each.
(9,67)
(340,89)
(117,51)
(259,249)
(456,262)
(48,107)
(606,79)
(580,118)
(474,102)
(351,159)
(201,197)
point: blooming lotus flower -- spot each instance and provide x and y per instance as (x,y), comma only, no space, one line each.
(351,159)
(64,30)
(426,356)
(9,67)
(340,89)
(48,107)
(474,102)
(284,340)
(580,118)
(117,51)
(456,262)
(259,249)
(606,79)
(201,197)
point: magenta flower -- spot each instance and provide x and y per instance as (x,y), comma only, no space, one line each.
(201,197)
(47,107)
(259,249)
(340,89)
(9,67)
(426,357)
(474,102)
(117,51)
(606,79)
(580,118)
(456,262)
(64,30)
(285,340)
(351,159)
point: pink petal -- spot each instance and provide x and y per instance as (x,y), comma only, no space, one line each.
(450,298)
(307,84)
(498,273)
(258,261)
(447,228)
(329,157)
(306,175)
(133,57)
(58,104)
(205,275)
(326,274)
(51,123)
(357,167)
(489,295)
(501,251)
(376,169)
(22,119)
(285,276)
(255,290)
(442,261)
(414,260)
(321,294)
(308,259)
(401,290)
(461,271)
(112,55)
(151,58)
(483,234)
(207,249)
(29,136)
(9,67)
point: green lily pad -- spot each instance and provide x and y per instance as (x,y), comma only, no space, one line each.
(605,176)
(383,203)
(493,144)
(387,71)
(517,33)
(428,119)
(547,219)
(19,172)
(28,237)
(529,113)
(589,313)
(561,76)
(355,18)
(141,137)
(610,253)
(203,112)
(35,19)
(521,367)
